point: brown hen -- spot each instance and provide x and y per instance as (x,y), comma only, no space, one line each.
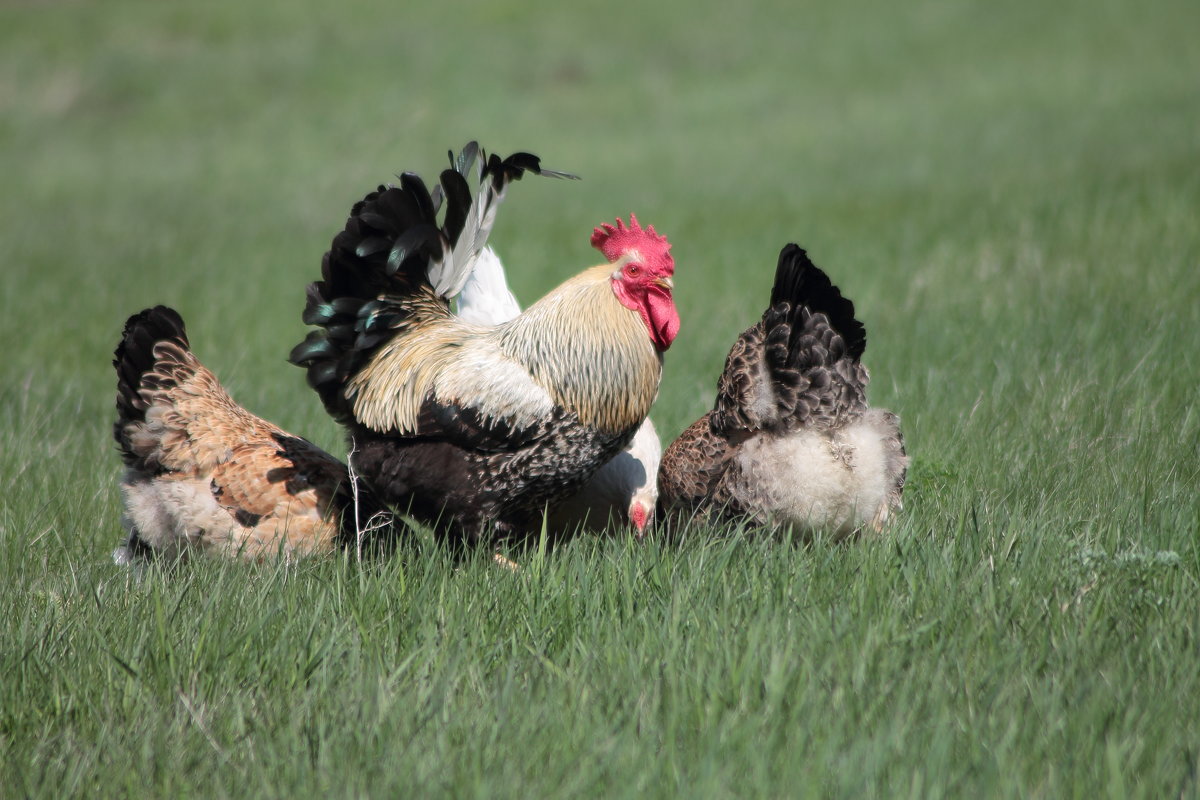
(203,474)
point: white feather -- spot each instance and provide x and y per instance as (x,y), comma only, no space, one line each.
(449,276)
(485,298)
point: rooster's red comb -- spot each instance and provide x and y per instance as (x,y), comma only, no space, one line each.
(616,240)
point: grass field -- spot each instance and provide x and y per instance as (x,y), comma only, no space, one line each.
(1010,193)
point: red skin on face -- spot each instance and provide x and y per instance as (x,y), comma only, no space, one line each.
(643,283)
(655,305)
(637,514)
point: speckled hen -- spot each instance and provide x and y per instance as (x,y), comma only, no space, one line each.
(791,439)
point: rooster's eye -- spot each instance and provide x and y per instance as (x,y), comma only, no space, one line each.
(633,270)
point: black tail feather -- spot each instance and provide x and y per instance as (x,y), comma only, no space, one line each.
(799,365)
(134,357)
(803,285)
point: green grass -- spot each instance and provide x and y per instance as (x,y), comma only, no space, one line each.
(1010,194)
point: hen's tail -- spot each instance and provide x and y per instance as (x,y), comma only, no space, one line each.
(394,264)
(153,354)
(799,365)
(801,291)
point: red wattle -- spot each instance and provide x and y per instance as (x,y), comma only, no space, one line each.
(663,318)
(656,308)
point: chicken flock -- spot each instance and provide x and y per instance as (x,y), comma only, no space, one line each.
(484,422)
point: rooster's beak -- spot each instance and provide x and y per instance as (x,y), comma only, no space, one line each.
(665,283)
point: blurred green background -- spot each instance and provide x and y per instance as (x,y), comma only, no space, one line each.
(204,154)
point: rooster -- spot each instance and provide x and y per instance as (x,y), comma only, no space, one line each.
(625,488)
(205,475)
(475,428)
(791,439)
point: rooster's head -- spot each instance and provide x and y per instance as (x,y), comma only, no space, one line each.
(641,278)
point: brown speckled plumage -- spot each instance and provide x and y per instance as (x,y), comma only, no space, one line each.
(205,475)
(791,438)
